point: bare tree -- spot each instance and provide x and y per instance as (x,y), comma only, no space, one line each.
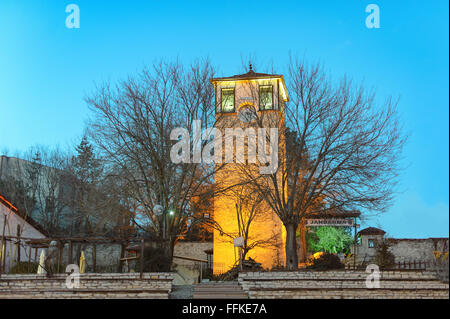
(92,197)
(132,124)
(249,212)
(34,182)
(341,151)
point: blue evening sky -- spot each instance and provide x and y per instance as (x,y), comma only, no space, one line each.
(46,69)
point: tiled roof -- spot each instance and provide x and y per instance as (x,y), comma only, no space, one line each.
(249,75)
(371,231)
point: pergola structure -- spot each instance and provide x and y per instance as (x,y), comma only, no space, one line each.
(45,243)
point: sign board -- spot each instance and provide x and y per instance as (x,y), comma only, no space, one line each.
(344,222)
(238,241)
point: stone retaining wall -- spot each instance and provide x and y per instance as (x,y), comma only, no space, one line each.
(417,249)
(342,285)
(92,285)
(192,250)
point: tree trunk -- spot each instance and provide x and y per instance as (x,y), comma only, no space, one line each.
(291,247)
(169,249)
(303,253)
(122,255)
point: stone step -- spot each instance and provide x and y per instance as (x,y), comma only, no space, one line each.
(220,296)
(345,284)
(143,295)
(350,294)
(76,291)
(219,290)
(385,275)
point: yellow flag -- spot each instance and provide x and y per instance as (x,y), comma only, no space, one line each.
(82,263)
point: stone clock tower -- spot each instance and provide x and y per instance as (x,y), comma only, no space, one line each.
(250,100)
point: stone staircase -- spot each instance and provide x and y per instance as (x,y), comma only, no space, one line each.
(219,290)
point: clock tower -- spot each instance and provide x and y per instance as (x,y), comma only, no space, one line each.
(245,103)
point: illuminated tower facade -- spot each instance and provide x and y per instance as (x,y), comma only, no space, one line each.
(243,101)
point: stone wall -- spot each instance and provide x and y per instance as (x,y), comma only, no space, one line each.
(107,256)
(112,285)
(404,250)
(192,250)
(416,249)
(187,271)
(342,285)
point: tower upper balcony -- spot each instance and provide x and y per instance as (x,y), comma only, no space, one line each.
(263,91)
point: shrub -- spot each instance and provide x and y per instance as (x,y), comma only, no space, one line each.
(326,261)
(329,239)
(247,265)
(442,266)
(156,259)
(24,267)
(384,258)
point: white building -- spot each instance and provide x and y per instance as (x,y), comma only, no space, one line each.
(15,224)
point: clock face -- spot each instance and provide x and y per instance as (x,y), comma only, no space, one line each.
(247,113)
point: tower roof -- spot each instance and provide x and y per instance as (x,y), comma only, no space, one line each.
(250,75)
(371,231)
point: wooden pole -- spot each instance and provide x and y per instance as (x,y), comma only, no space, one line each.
(4,257)
(29,258)
(69,257)
(354,247)
(240,234)
(94,258)
(142,259)
(2,266)
(18,247)
(122,254)
(60,254)
(29,254)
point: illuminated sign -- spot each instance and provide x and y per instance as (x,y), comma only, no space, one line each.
(345,222)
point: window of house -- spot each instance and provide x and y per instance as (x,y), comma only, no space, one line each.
(266,97)
(371,243)
(228,100)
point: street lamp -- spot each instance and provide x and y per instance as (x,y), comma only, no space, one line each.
(158,210)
